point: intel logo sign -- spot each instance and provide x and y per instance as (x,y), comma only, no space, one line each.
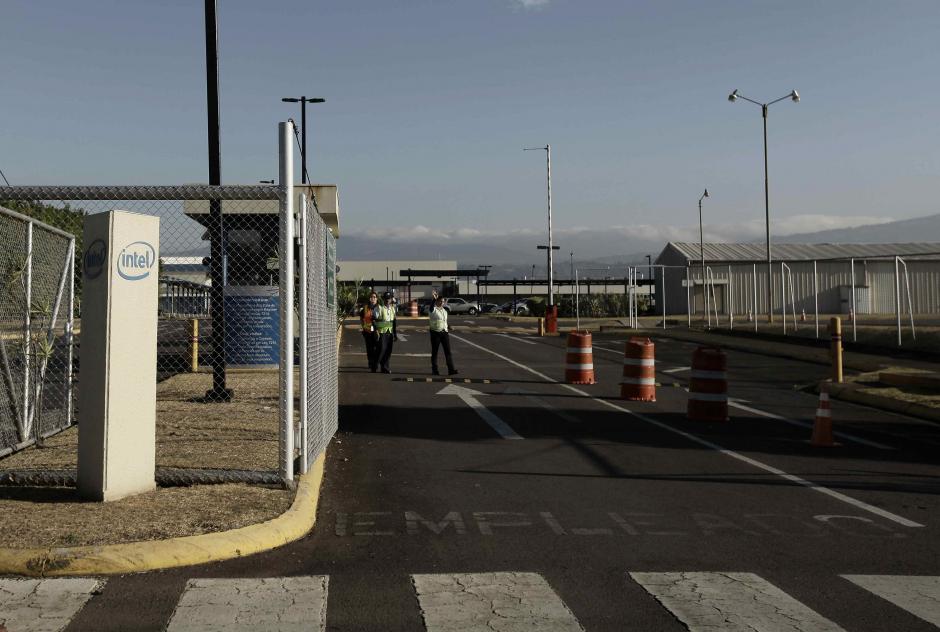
(136,260)
(95,256)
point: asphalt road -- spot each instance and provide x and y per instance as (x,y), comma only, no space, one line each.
(507,470)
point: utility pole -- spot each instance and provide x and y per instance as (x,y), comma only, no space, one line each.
(216,227)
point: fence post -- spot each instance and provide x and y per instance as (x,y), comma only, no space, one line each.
(816,297)
(854,306)
(27,325)
(688,297)
(663,292)
(783,298)
(286,280)
(897,295)
(69,337)
(755,298)
(730,300)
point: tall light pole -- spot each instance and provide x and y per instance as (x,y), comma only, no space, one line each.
(549,265)
(795,97)
(303,126)
(701,246)
(548,163)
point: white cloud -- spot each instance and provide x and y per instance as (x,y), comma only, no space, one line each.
(529,4)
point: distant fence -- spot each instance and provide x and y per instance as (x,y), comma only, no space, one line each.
(887,290)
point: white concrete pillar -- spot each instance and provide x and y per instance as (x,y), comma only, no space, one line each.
(117,383)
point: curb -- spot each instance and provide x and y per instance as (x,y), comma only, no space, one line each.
(852,393)
(137,557)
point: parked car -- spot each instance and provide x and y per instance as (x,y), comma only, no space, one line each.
(461,306)
(518,307)
(488,308)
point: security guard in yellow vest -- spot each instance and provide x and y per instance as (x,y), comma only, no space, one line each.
(383,319)
(437,323)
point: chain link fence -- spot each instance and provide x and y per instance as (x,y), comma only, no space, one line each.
(226,317)
(36,295)
(883,300)
(319,379)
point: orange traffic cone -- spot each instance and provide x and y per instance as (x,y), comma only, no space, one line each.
(851,315)
(803,316)
(822,428)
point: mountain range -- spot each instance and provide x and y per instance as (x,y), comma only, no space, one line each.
(513,255)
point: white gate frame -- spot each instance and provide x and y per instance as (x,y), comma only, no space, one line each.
(286,281)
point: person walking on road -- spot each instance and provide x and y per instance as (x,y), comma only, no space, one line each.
(440,336)
(369,333)
(383,318)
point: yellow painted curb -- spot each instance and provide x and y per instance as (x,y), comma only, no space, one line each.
(136,557)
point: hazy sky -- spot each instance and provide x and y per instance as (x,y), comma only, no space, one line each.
(429,105)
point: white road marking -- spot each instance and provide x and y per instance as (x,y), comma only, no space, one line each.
(280,604)
(678,369)
(42,605)
(724,601)
(528,342)
(469,397)
(714,446)
(531,396)
(497,602)
(919,595)
(402,338)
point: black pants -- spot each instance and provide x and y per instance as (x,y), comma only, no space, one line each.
(441,339)
(372,349)
(385,342)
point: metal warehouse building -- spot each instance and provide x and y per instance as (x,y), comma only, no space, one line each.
(736,276)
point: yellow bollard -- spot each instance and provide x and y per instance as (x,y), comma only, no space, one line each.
(541,326)
(835,331)
(194,345)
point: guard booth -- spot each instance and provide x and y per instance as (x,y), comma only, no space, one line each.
(251,269)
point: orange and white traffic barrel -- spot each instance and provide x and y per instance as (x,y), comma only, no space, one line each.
(639,370)
(708,390)
(413,309)
(579,358)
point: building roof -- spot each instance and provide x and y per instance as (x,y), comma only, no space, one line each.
(757,252)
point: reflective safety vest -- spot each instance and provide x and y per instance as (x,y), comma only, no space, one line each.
(438,319)
(385,319)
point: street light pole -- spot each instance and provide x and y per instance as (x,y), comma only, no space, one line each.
(548,164)
(795,97)
(303,126)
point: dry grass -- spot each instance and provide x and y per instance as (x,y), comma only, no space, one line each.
(31,517)
(242,434)
(869,383)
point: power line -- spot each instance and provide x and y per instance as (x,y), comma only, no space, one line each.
(5,178)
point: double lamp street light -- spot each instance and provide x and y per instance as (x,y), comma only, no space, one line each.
(795,97)
(303,126)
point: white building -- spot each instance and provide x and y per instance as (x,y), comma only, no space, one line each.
(737,275)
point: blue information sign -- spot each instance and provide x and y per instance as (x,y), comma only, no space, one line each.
(252,325)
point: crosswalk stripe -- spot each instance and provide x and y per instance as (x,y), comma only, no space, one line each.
(273,604)
(42,605)
(491,601)
(919,595)
(740,601)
